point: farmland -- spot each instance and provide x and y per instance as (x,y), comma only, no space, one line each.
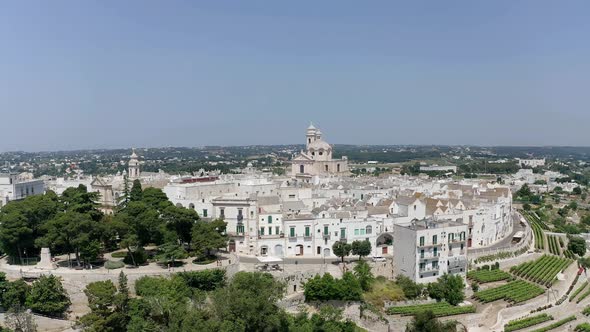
(522,323)
(440,309)
(542,270)
(515,291)
(483,276)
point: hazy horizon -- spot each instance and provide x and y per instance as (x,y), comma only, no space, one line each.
(106,75)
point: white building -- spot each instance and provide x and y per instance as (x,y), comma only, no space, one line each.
(317,159)
(14,188)
(437,168)
(426,249)
(531,162)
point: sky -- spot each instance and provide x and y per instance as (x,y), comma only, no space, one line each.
(107,74)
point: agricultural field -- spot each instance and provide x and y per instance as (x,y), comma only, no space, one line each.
(542,270)
(556,324)
(440,309)
(583,296)
(483,276)
(515,292)
(554,247)
(523,323)
(578,291)
(537,225)
(569,254)
(584,327)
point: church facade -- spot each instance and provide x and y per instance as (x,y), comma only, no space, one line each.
(317,158)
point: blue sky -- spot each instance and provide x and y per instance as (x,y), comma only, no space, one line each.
(99,74)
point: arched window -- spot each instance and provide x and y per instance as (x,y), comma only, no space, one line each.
(191,206)
(178,205)
(369,230)
(301,169)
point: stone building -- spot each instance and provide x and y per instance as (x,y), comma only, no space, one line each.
(317,158)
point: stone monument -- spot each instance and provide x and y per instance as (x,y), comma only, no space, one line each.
(46,262)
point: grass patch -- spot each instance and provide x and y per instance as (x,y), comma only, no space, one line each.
(119,254)
(110,265)
(383,290)
(439,309)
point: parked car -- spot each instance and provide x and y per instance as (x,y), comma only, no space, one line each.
(378,259)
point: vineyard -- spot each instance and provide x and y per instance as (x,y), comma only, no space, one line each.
(584,327)
(483,276)
(553,245)
(542,270)
(522,323)
(578,291)
(538,226)
(583,296)
(556,324)
(569,254)
(440,309)
(586,311)
(514,291)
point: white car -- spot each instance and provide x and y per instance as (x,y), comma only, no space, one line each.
(378,259)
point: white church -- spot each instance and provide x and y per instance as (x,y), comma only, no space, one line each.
(317,159)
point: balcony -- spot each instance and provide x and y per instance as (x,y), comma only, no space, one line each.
(428,269)
(272,236)
(457,241)
(429,245)
(326,236)
(430,257)
(236,233)
(307,237)
(342,239)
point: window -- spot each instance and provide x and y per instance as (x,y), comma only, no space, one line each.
(261,230)
(291,195)
(462,246)
(312,153)
(307,231)
(422,266)
(421,240)
(434,239)
(240,229)
(292,232)
(338,168)
(321,154)
(362,231)
(422,253)
(269,219)
(222,212)
(356,231)
(326,168)
(270,231)
(451,237)
(204,212)
(277,230)
(435,252)
(369,230)
(326,232)
(301,169)
(191,206)
(343,233)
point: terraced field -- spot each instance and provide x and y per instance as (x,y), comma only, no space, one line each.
(440,309)
(515,292)
(483,276)
(542,270)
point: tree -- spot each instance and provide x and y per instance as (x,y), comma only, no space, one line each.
(577,191)
(181,221)
(361,248)
(136,193)
(169,252)
(207,236)
(411,289)
(19,319)
(362,271)
(341,249)
(125,197)
(15,294)
(48,297)
(106,311)
(448,287)
(249,301)
(526,207)
(15,233)
(577,245)
(426,321)
(68,232)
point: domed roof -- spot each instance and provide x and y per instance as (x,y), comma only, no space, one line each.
(319,144)
(134,155)
(311,127)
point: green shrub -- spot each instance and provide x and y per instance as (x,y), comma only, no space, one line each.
(110,265)
(119,254)
(140,257)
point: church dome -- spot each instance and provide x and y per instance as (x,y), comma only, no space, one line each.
(319,145)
